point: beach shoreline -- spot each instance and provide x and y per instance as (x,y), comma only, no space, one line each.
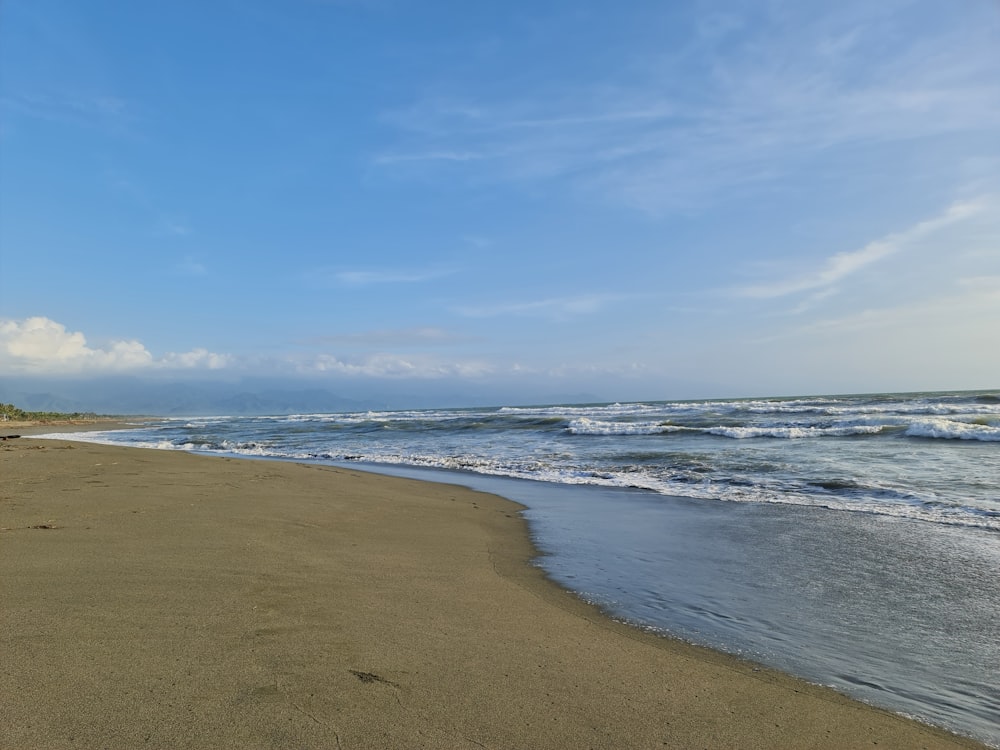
(189,601)
(29,428)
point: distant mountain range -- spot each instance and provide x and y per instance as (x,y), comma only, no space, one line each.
(132,396)
(135,396)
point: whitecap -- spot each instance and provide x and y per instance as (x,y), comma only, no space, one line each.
(948,429)
(791,432)
(586,426)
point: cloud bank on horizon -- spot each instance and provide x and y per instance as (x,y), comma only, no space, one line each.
(656,202)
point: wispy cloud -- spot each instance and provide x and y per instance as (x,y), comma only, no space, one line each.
(478,242)
(381,276)
(841,265)
(176,228)
(423,337)
(189,266)
(557,307)
(459,156)
(663,129)
(99,110)
(141,198)
(962,312)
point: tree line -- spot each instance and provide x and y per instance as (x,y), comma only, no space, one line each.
(9,412)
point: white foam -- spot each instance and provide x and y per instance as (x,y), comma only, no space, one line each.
(101,437)
(951,430)
(606,410)
(587,426)
(705,490)
(788,432)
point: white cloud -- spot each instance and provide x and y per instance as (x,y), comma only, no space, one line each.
(196,358)
(841,265)
(395,366)
(425,367)
(40,344)
(43,346)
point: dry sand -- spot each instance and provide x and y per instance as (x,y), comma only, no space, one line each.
(165,600)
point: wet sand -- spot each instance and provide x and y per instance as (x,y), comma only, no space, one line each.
(166,600)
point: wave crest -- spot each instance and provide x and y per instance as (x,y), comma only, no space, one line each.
(947,429)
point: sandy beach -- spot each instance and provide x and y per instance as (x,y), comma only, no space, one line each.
(166,600)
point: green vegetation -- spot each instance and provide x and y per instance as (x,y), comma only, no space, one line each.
(9,412)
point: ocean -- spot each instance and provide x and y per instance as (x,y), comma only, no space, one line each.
(851,540)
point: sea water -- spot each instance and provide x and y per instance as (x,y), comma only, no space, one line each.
(851,540)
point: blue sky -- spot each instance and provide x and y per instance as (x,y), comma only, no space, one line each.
(636,200)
